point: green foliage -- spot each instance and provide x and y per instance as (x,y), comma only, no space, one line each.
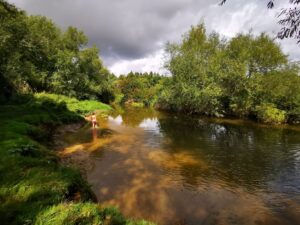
(139,89)
(13,41)
(84,214)
(137,104)
(195,87)
(282,88)
(139,222)
(260,54)
(230,78)
(73,39)
(113,216)
(68,214)
(38,56)
(267,113)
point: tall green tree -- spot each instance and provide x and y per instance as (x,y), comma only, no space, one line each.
(43,47)
(13,43)
(36,56)
(247,76)
(192,64)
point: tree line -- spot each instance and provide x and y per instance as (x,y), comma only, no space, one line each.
(247,76)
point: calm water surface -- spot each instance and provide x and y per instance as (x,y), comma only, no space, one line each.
(173,169)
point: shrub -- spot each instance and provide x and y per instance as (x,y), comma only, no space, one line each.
(268,113)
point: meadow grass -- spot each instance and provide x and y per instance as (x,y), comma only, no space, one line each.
(34,187)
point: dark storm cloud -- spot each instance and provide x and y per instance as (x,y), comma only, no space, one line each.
(128,30)
(125,29)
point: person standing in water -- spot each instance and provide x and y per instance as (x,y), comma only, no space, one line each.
(94,120)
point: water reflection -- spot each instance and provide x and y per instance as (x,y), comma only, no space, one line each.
(181,170)
(243,155)
(133,117)
(95,135)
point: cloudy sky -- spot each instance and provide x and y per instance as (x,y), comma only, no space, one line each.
(131,34)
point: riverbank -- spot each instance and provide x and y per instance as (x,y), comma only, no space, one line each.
(34,187)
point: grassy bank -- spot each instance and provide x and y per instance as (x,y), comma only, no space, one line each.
(74,105)
(34,187)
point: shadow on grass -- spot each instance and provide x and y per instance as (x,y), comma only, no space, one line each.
(31,178)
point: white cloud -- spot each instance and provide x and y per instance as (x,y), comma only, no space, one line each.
(152,62)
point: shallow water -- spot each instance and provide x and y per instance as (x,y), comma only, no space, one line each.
(174,169)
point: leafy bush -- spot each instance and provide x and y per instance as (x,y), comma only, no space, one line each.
(268,113)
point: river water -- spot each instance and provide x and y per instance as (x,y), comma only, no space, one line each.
(174,169)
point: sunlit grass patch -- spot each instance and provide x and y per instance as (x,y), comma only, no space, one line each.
(74,105)
(84,213)
(137,104)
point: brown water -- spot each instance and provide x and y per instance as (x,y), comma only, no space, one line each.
(179,170)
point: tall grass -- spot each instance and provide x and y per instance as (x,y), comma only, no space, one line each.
(74,105)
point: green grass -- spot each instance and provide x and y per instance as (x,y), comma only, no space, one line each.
(84,213)
(74,105)
(34,187)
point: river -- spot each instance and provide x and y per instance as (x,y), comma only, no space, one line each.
(174,169)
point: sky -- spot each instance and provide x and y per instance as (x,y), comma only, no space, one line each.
(131,34)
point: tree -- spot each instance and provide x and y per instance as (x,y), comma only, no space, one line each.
(141,88)
(247,76)
(13,43)
(247,59)
(73,39)
(43,47)
(260,54)
(36,55)
(193,65)
(289,19)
